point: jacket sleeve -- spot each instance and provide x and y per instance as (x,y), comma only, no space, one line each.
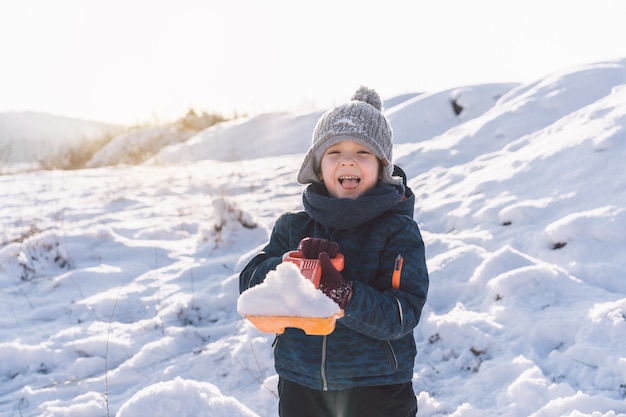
(385,313)
(269,258)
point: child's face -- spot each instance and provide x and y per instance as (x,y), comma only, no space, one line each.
(349,169)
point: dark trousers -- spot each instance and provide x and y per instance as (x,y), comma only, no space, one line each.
(383,401)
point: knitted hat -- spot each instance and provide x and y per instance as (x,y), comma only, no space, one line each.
(360,120)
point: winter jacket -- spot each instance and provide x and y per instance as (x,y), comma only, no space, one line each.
(373,342)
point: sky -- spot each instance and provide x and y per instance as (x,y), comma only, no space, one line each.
(119,290)
(150,61)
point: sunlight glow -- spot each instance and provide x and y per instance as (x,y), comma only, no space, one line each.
(127,62)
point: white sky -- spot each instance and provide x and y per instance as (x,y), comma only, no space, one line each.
(128,61)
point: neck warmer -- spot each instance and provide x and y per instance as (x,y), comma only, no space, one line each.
(345,213)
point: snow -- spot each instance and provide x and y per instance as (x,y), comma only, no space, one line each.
(130,147)
(119,284)
(286,292)
(30,137)
(183,398)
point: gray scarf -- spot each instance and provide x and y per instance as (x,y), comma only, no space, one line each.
(345,213)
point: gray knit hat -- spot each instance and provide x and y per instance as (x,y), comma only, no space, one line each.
(360,120)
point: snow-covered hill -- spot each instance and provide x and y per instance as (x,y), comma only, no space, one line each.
(30,137)
(414,118)
(119,284)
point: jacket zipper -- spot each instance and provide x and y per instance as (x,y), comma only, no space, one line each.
(325,341)
(393,359)
(323,364)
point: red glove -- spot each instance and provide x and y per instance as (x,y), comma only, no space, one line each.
(311,247)
(332,283)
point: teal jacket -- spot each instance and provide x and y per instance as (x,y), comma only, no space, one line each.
(373,342)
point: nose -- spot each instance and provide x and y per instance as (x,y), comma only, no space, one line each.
(347,160)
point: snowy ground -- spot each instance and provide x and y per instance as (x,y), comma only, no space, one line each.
(119,285)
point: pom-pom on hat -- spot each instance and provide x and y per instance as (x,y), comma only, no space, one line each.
(360,120)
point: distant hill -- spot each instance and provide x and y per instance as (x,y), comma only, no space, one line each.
(27,137)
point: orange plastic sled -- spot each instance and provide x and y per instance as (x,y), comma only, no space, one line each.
(314,326)
(317,326)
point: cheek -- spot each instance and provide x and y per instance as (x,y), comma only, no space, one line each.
(325,168)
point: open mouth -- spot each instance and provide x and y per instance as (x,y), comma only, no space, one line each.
(349,180)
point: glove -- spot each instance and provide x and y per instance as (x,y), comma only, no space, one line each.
(311,247)
(332,283)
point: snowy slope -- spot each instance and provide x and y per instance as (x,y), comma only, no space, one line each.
(27,137)
(119,285)
(413,117)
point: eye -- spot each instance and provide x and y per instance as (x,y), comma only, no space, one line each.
(364,152)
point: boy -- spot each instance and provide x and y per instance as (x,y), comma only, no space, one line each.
(356,204)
